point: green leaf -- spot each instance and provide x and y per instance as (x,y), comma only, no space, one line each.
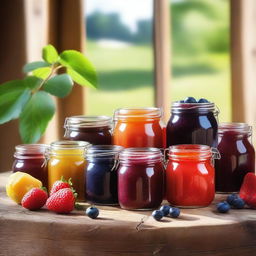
(34,65)
(35,117)
(32,82)
(59,85)
(13,96)
(42,73)
(50,54)
(79,68)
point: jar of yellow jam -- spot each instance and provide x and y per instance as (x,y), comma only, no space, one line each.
(67,159)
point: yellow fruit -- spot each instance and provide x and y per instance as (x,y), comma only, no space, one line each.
(19,183)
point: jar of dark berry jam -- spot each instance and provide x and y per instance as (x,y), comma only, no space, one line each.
(30,158)
(237,156)
(96,130)
(192,123)
(140,178)
(190,175)
(101,174)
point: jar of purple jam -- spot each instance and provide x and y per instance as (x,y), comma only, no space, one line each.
(97,130)
(30,158)
(140,178)
(237,156)
(192,123)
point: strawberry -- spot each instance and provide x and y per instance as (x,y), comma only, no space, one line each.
(34,199)
(60,184)
(62,201)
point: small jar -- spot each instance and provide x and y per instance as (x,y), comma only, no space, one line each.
(190,176)
(237,156)
(101,174)
(140,178)
(96,130)
(66,159)
(30,158)
(140,127)
(192,123)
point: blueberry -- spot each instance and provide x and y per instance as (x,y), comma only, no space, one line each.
(223,207)
(165,209)
(190,100)
(92,212)
(238,203)
(157,215)
(202,100)
(174,212)
(231,198)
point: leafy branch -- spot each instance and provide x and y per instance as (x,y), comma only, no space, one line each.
(29,99)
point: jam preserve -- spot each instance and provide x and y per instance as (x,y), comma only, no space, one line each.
(237,156)
(190,176)
(192,123)
(140,178)
(96,130)
(30,158)
(140,127)
(101,174)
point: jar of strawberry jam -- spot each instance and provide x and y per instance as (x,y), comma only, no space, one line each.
(190,176)
(30,158)
(140,127)
(96,130)
(192,123)
(140,178)
(237,156)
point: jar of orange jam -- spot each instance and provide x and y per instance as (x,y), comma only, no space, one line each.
(141,127)
(190,175)
(67,159)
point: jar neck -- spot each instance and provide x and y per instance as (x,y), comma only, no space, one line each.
(103,152)
(30,151)
(202,108)
(138,114)
(235,130)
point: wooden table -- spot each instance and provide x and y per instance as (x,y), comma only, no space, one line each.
(119,232)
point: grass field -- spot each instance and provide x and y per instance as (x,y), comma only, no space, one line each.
(126,79)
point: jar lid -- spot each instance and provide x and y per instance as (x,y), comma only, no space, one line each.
(178,107)
(87,121)
(102,151)
(236,128)
(30,150)
(138,113)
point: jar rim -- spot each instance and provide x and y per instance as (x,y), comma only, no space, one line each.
(87,121)
(31,149)
(138,113)
(177,107)
(69,144)
(240,128)
(103,150)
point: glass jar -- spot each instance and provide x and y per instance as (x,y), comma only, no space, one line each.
(96,130)
(30,158)
(66,159)
(192,123)
(237,156)
(140,178)
(101,174)
(140,127)
(190,176)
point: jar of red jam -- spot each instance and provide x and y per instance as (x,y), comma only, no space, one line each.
(140,178)
(192,123)
(30,158)
(140,127)
(190,176)
(96,130)
(237,156)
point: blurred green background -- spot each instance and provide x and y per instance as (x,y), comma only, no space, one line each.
(123,55)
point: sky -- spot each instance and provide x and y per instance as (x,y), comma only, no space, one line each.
(130,10)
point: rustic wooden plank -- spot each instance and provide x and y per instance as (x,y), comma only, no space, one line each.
(162,55)
(119,232)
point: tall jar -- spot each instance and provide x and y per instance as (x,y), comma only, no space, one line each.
(101,174)
(30,158)
(237,156)
(96,130)
(66,159)
(140,178)
(140,127)
(192,123)
(190,176)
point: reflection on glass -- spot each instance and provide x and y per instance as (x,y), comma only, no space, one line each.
(119,43)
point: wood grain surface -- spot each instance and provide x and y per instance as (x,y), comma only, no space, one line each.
(118,232)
